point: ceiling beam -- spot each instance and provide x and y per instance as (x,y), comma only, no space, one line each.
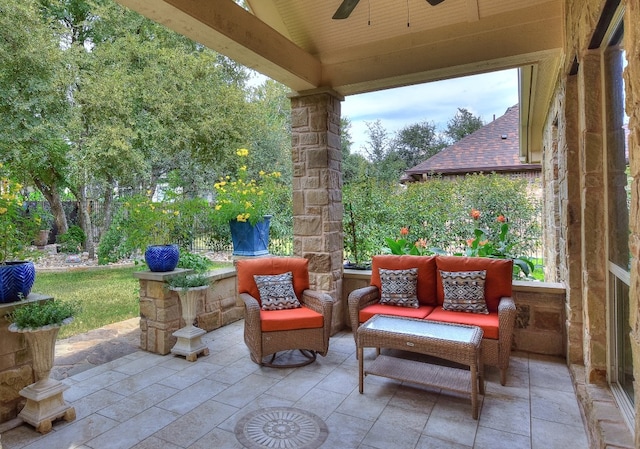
(227,28)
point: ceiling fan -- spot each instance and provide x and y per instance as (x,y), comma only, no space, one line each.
(345,8)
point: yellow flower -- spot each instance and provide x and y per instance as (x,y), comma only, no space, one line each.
(3,210)
(247,204)
(243,168)
(218,206)
(261,172)
(242,152)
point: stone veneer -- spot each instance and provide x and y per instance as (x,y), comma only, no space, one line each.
(317,191)
(16,362)
(160,311)
(577,132)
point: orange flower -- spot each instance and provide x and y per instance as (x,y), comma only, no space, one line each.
(404,231)
(501,218)
(475,214)
(470,242)
(421,243)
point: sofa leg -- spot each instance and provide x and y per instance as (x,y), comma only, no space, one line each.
(503,376)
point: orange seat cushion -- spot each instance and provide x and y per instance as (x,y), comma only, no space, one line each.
(246,268)
(490,324)
(290,319)
(426,265)
(497,283)
(385,309)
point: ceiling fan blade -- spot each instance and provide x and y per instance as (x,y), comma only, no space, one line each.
(434,2)
(345,8)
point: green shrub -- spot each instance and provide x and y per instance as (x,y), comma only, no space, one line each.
(438,213)
(195,262)
(73,240)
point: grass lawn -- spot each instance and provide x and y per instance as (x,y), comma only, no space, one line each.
(106,296)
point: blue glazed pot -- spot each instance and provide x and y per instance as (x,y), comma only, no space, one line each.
(162,258)
(250,240)
(16,280)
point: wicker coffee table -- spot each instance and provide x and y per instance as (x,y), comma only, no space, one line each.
(453,342)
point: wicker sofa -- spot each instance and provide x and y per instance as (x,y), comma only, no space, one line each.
(497,325)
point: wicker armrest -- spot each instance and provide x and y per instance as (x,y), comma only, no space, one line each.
(364,296)
(359,299)
(252,309)
(317,301)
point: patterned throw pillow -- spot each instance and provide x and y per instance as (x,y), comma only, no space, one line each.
(464,291)
(276,291)
(398,287)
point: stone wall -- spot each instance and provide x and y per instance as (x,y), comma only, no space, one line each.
(161,314)
(632,107)
(16,362)
(582,130)
(540,312)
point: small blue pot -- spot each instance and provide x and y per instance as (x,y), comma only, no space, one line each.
(161,258)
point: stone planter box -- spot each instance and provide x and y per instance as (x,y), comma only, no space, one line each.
(160,310)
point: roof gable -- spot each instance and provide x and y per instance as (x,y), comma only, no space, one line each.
(494,147)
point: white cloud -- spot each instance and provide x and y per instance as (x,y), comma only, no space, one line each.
(486,95)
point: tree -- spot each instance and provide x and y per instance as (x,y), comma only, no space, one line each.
(354,165)
(418,142)
(33,101)
(462,124)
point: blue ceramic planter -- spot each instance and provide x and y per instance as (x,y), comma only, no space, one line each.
(162,258)
(250,240)
(16,280)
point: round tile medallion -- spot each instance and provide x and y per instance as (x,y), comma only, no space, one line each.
(281,427)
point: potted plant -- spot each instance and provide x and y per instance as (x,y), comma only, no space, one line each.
(40,322)
(16,232)
(150,227)
(190,289)
(243,204)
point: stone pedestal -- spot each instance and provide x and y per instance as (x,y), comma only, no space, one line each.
(189,343)
(45,402)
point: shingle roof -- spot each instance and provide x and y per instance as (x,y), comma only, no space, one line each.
(492,148)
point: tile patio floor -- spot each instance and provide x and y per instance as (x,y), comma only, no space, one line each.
(146,401)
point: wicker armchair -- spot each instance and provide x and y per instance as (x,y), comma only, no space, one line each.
(267,332)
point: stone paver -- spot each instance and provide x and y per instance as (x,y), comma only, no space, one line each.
(144,400)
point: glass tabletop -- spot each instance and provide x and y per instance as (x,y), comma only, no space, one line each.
(421,328)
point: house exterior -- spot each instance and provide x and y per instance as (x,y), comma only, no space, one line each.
(579,73)
(494,148)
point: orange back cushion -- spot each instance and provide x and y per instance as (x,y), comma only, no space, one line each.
(246,268)
(497,283)
(426,266)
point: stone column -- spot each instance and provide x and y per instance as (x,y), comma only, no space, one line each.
(571,247)
(317,191)
(592,185)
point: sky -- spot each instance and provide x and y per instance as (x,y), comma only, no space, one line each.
(485,95)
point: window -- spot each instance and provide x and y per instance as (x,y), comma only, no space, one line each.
(618,201)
